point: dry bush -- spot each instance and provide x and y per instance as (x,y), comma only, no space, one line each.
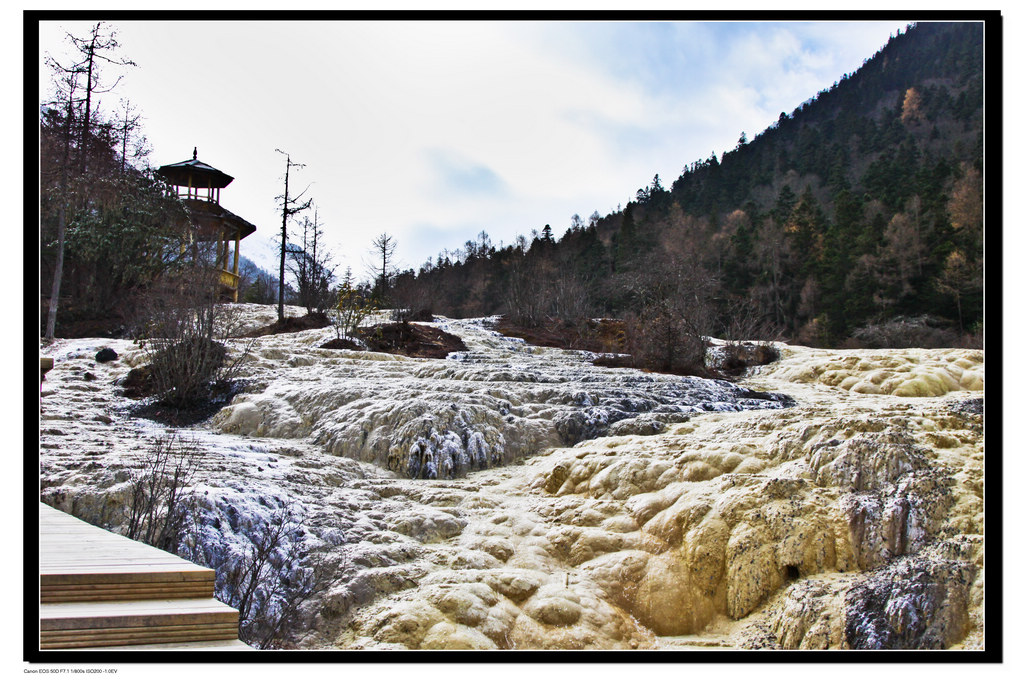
(974,338)
(670,332)
(906,332)
(182,331)
(744,320)
(412,300)
(734,358)
(524,296)
(660,340)
(268,595)
(155,507)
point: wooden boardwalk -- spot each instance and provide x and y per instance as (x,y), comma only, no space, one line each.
(99,589)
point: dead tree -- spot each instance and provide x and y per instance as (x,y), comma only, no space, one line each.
(289,207)
(312,267)
(77,109)
(384,246)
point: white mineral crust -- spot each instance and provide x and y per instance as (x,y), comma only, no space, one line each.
(504,497)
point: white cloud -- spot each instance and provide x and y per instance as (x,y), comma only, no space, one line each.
(463,126)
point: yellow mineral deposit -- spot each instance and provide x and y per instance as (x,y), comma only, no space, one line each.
(727,524)
(852,519)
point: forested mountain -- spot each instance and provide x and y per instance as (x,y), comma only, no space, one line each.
(862,206)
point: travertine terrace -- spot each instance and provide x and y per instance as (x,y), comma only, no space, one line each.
(519,497)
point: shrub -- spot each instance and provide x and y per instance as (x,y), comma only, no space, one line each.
(907,332)
(662,341)
(734,358)
(157,497)
(263,585)
(179,331)
(351,309)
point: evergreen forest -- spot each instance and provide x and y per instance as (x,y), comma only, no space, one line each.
(855,219)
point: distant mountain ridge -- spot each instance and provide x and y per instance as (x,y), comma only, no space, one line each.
(861,207)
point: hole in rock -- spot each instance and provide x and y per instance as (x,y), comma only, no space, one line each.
(792,573)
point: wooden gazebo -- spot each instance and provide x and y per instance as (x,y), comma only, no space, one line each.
(198,185)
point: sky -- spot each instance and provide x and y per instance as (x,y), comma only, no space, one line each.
(433,132)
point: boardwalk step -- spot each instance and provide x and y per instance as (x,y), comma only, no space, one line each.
(200,645)
(98,589)
(98,639)
(80,562)
(71,625)
(91,593)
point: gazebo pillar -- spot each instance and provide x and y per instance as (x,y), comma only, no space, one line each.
(238,238)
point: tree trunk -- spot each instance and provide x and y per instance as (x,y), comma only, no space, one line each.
(58,273)
(284,243)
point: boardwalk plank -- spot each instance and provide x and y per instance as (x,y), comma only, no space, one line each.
(99,590)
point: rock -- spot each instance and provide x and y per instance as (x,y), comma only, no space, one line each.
(516,585)
(411,625)
(867,461)
(438,526)
(637,426)
(735,358)
(138,382)
(618,574)
(918,602)
(340,344)
(668,599)
(812,614)
(553,605)
(106,355)
(243,417)
(445,635)
(969,406)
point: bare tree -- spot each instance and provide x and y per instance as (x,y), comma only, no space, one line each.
(158,492)
(772,256)
(959,277)
(182,332)
(524,295)
(126,129)
(384,248)
(77,109)
(289,207)
(669,333)
(312,268)
(69,81)
(966,208)
(94,49)
(267,594)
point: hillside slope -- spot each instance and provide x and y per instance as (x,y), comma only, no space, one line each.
(862,205)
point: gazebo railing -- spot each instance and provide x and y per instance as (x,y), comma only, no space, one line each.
(229,279)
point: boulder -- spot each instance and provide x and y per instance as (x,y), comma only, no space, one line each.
(106,355)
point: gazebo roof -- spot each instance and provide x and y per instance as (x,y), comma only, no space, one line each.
(216,219)
(195,173)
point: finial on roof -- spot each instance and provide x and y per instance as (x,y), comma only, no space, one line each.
(194,154)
